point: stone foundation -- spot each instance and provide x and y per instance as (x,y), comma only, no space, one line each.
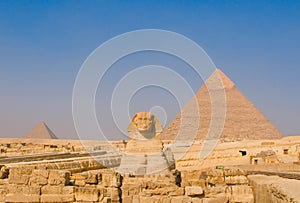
(28,184)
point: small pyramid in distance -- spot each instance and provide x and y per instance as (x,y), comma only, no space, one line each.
(243,120)
(40,131)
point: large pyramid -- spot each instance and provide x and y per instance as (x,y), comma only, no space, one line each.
(243,121)
(41,131)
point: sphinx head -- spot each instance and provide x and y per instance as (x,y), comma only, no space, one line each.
(143,121)
(145,124)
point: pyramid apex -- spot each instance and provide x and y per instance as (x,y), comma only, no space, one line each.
(41,123)
(41,131)
(214,80)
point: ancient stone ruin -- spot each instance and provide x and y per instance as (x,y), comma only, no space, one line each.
(252,162)
(144,150)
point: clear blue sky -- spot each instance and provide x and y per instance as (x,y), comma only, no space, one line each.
(44,43)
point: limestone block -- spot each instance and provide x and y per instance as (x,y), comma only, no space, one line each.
(38,180)
(43,173)
(57,198)
(181,199)
(165,199)
(193,191)
(59,190)
(177,192)
(274,189)
(91,178)
(215,177)
(114,193)
(185,182)
(215,172)
(217,198)
(80,183)
(196,200)
(3,182)
(149,199)
(242,193)
(110,179)
(22,198)
(23,189)
(87,193)
(200,183)
(158,183)
(236,180)
(126,199)
(131,189)
(215,180)
(136,199)
(19,175)
(211,200)
(3,192)
(39,177)
(234,172)
(78,176)
(18,179)
(152,199)
(214,191)
(157,191)
(59,177)
(25,170)
(85,178)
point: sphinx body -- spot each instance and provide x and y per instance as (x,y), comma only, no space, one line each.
(144,151)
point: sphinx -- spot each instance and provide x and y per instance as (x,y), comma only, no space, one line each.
(144,152)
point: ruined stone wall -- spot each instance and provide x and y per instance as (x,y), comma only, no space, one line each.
(20,147)
(222,185)
(215,185)
(273,167)
(29,184)
(229,153)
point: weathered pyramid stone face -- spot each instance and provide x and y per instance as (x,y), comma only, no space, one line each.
(41,131)
(243,121)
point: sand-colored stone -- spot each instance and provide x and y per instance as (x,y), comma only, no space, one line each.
(269,189)
(87,193)
(228,154)
(144,150)
(60,190)
(243,119)
(181,199)
(22,193)
(193,191)
(59,177)
(57,198)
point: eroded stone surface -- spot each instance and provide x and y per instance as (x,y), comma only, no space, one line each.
(274,189)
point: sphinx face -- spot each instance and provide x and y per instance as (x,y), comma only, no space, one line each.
(143,121)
